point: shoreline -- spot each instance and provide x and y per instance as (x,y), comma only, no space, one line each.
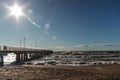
(101,72)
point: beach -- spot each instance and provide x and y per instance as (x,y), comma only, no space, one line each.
(101,72)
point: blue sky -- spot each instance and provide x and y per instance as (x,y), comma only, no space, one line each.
(62,23)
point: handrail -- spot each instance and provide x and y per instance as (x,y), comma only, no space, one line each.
(11,48)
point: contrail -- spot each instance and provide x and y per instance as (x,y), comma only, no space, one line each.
(34,23)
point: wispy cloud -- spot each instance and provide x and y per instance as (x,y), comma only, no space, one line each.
(81,45)
(59,47)
(100,46)
(97,45)
(107,44)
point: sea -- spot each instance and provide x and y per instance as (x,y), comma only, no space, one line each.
(59,60)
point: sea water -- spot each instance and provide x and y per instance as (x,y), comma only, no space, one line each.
(73,60)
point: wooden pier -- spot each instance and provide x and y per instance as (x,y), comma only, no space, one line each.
(23,54)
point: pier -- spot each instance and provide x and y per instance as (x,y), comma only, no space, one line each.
(23,54)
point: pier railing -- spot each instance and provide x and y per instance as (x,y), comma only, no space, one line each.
(10,48)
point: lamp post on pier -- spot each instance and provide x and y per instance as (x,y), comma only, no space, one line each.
(36,45)
(20,44)
(24,42)
(31,45)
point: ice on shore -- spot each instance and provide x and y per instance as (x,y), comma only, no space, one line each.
(9,58)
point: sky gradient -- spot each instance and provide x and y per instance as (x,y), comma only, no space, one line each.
(77,24)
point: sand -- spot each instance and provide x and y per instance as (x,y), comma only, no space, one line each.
(108,72)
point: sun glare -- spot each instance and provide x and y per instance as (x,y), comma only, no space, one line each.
(16,11)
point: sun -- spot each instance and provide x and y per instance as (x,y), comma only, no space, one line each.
(16,11)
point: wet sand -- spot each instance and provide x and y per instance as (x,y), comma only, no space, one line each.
(108,72)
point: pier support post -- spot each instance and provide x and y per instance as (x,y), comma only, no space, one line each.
(25,56)
(31,56)
(36,55)
(18,57)
(21,57)
(39,55)
(1,61)
(43,53)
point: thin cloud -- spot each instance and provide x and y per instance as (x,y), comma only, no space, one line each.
(59,47)
(105,44)
(81,45)
(98,45)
